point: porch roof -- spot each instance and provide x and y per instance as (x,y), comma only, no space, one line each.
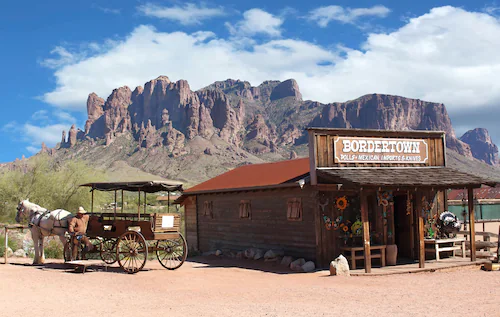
(438,177)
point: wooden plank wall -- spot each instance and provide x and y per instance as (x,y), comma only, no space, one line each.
(268,227)
(191,223)
(325,153)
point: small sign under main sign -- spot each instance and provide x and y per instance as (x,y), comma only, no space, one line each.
(380,150)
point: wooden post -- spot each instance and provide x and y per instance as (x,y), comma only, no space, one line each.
(420,229)
(122,201)
(168,202)
(470,199)
(145,202)
(498,246)
(6,244)
(114,207)
(139,205)
(92,203)
(421,244)
(366,232)
(312,158)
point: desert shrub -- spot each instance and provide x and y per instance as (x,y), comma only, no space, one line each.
(12,243)
(54,249)
(48,183)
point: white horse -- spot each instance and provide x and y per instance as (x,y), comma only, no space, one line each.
(43,223)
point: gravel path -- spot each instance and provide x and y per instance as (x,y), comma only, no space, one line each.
(220,289)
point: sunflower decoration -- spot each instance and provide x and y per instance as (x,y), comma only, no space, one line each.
(345,228)
(341,203)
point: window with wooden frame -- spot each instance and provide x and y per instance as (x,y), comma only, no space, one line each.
(294,210)
(208,208)
(245,209)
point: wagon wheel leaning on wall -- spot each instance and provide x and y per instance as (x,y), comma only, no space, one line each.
(172,253)
(132,251)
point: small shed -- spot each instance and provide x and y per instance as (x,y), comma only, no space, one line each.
(359,190)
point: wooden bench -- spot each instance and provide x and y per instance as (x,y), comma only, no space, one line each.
(353,257)
(450,245)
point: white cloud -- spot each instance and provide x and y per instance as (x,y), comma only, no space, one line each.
(189,14)
(256,21)
(63,57)
(108,10)
(447,55)
(50,134)
(324,15)
(40,115)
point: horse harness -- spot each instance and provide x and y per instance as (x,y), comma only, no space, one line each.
(36,223)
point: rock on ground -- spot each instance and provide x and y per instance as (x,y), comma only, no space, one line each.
(20,253)
(340,266)
(297,265)
(286,260)
(308,266)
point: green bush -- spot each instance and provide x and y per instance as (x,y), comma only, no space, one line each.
(48,183)
(54,249)
(13,244)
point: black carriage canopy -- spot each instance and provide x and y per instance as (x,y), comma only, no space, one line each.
(142,186)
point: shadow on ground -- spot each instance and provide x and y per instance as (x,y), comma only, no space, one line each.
(213,261)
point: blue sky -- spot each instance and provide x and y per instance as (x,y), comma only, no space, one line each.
(55,53)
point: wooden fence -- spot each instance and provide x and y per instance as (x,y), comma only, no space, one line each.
(8,227)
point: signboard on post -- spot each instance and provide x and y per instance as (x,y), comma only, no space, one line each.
(380,150)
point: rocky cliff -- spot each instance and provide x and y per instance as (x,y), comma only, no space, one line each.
(231,122)
(481,146)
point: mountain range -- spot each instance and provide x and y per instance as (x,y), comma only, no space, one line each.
(166,129)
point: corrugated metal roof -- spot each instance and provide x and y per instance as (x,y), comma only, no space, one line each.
(479,193)
(254,175)
(442,177)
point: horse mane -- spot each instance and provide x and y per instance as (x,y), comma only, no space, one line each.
(32,206)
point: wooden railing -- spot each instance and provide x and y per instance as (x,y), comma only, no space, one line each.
(8,227)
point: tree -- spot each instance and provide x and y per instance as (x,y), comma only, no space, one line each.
(48,183)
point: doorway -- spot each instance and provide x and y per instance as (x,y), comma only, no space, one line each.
(402,229)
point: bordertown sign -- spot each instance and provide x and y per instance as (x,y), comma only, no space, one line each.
(380,150)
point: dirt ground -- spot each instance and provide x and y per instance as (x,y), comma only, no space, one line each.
(215,287)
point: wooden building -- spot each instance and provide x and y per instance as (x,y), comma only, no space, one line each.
(357,192)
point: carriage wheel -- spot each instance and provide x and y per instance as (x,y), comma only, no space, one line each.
(97,246)
(108,251)
(132,251)
(171,253)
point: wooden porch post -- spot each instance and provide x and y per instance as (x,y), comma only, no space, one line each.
(366,232)
(122,200)
(470,199)
(420,224)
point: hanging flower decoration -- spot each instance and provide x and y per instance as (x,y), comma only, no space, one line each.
(337,222)
(426,207)
(408,204)
(384,198)
(357,227)
(345,228)
(341,203)
(328,222)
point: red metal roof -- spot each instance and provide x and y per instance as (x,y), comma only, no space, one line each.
(479,193)
(255,175)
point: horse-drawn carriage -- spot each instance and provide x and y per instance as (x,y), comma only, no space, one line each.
(126,238)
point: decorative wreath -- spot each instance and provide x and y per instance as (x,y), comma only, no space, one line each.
(384,198)
(357,227)
(341,203)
